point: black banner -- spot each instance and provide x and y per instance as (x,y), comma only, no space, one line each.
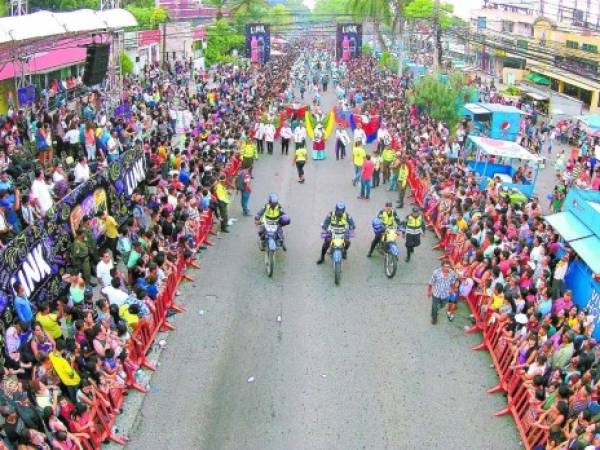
(348,41)
(258,42)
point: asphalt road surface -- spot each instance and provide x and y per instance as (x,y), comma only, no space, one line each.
(357,366)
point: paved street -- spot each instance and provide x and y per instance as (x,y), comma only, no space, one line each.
(351,367)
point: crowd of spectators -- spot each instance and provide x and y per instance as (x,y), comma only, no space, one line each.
(513,259)
(60,356)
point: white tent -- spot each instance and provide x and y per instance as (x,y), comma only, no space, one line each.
(46,24)
(503,149)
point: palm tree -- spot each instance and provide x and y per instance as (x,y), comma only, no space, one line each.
(234,5)
(375,11)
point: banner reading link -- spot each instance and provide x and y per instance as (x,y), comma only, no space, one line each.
(39,255)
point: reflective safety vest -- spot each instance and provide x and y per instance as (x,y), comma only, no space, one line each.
(339,221)
(387,218)
(414,224)
(272,212)
(403,175)
(388,155)
(221,193)
(249,151)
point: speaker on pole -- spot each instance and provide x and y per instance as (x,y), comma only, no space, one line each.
(96,64)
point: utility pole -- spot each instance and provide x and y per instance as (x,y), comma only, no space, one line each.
(437,36)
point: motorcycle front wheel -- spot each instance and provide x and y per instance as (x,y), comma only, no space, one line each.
(390,262)
(269,262)
(337,272)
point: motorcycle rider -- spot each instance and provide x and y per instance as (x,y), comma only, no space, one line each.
(272,210)
(338,217)
(387,217)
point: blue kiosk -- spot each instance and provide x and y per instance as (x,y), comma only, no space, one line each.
(579,228)
(495,158)
(494,120)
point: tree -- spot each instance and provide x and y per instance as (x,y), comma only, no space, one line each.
(440,97)
(279,17)
(222,40)
(326,10)
(440,16)
(376,11)
(61,5)
(148,18)
(126,64)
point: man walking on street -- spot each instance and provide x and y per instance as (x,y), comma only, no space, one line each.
(439,287)
(358,157)
(366,178)
(223,202)
(402,182)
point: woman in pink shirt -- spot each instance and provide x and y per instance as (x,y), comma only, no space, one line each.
(366,177)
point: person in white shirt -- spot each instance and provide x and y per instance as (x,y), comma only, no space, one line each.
(341,143)
(103,268)
(383,137)
(300,135)
(72,138)
(113,294)
(359,134)
(286,135)
(58,174)
(82,170)
(259,135)
(40,193)
(269,137)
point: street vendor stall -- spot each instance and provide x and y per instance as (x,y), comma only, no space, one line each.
(492,158)
(579,228)
(494,120)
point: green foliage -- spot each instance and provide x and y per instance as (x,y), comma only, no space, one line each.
(279,17)
(389,61)
(366,49)
(441,99)
(62,5)
(426,10)
(126,64)
(326,10)
(4,9)
(298,9)
(222,39)
(512,90)
(148,18)
(375,10)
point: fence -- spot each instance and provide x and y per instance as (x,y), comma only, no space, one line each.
(108,404)
(522,404)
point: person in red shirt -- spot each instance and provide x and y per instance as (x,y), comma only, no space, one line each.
(366,178)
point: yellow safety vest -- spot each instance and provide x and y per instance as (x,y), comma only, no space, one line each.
(387,218)
(340,222)
(414,224)
(403,175)
(388,155)
(272,213)
(221,193)
(249,151)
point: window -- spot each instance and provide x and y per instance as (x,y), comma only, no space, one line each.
(589,48)
(482,23)
(507,26)
(572,44)
(578,15)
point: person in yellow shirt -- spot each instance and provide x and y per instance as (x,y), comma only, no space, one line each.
(358,157)
(223,199)
(130,314)
(110,227)
(63,369)
(300,161)
(49,321)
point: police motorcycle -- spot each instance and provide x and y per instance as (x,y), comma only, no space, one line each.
(388,246)
(271,239)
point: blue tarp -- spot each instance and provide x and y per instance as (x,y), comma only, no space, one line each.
(588,250)
(568,226)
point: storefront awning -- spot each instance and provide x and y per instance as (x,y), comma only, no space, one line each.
(538,79)
(588,250)
(568,226)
